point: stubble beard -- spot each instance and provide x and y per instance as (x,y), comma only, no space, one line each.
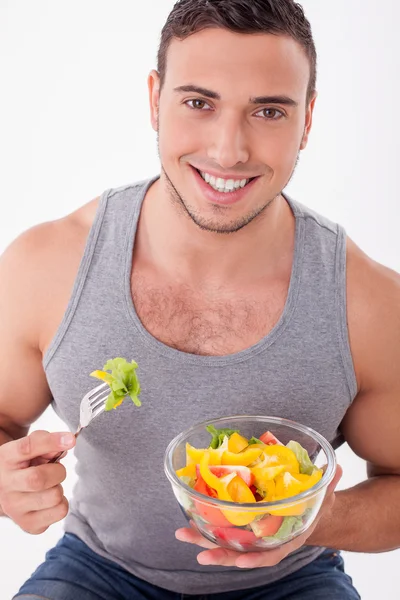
(210,224)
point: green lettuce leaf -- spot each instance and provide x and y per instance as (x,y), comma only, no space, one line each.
(123,381)
(218,435)
(254,440)
(306,466)
(289,526)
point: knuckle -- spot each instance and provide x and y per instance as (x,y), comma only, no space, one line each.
(26,524)
(25,445)
(34,480)
(32,524)
(62,509)
(35,530)
(61,473)
(7,506)
(57,495)
(38,435)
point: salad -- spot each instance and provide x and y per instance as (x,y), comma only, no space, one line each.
(256,470)
(123,381)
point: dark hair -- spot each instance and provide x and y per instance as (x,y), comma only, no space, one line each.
(277,17)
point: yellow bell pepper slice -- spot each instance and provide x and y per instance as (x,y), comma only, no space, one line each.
(235,491)
(263,476)
(284,455)
(103,375)
(194,455)
(189,471)
(211,480)
(289,511)
(268,489)
(287,486)
(244,458)
(237,443)
(240,492)
(308,481)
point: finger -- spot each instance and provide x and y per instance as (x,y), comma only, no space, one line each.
(193,537)
(270,558)
(218,556)
(38,522)
(35,479)
(43,460)
(20,452)
(335,480)
(21,503)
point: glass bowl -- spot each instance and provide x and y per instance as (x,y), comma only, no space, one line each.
(249,527)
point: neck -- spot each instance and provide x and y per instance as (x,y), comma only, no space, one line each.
(170,242)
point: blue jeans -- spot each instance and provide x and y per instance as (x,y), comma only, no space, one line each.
(72,571)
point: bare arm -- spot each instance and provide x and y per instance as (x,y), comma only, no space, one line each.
(44,258)
(366,518)
(24,393)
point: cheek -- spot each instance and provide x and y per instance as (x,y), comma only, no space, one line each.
(179,136)
(280,148)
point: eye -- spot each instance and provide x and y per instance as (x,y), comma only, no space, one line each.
(271,114)
(197,104)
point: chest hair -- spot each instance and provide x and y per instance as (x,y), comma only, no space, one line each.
(214,323)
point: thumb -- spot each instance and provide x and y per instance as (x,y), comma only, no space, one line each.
(337,477)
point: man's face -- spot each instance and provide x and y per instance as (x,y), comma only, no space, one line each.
(232,109)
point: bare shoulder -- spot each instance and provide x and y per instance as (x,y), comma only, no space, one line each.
(39,270)
(373,308)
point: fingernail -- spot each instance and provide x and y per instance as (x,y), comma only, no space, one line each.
(242,564)
(203,560)
(66,440)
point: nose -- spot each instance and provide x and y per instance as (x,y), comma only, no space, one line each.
(228,144)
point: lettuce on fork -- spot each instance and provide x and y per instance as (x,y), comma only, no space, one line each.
(123,381)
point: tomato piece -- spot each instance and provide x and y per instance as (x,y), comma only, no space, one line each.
(212,515)
(222,470)
(232,534)
(267,526)
(269,439)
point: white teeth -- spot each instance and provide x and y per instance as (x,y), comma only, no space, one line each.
(223,185)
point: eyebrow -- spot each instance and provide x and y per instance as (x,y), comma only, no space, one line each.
(279,99)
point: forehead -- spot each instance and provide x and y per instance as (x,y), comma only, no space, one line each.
(250,63)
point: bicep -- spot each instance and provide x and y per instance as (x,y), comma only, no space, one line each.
(24,393)
(371,427)
(372,423)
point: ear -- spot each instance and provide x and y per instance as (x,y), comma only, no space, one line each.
(153,84)
(309,118)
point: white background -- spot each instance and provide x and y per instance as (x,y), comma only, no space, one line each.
(74,121)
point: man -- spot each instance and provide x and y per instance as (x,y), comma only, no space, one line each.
(233,299)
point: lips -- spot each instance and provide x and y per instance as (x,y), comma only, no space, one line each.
(222,198)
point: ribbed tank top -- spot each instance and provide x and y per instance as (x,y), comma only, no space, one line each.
(123,506)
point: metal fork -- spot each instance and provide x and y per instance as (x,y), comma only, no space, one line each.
(92,405)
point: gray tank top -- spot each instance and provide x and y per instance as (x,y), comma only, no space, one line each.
(123,506)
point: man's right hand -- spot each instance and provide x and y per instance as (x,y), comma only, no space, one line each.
(30,489)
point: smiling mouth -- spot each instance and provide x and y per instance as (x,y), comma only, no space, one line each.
(224,185)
